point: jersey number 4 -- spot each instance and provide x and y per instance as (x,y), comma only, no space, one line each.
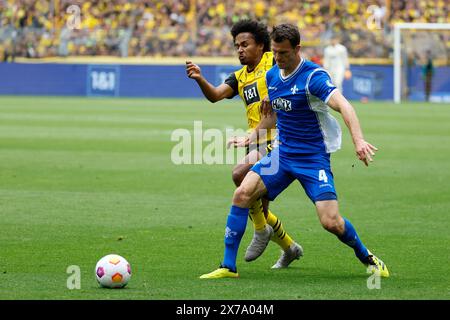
(323,176)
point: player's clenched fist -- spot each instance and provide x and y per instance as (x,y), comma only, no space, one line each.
(193,71)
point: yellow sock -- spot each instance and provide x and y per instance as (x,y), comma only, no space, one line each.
(280,236)
(257,215)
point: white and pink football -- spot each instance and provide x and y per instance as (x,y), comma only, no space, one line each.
(113,271)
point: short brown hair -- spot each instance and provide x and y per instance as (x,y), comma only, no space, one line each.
(286,31)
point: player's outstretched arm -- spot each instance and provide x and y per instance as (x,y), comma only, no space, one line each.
(211,92)
(364,150)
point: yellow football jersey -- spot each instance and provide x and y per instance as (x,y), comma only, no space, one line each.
(251,87)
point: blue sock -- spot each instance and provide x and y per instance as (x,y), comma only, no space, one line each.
(236,223)
(350,238)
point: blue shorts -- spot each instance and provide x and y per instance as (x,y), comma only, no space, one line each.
(313,171)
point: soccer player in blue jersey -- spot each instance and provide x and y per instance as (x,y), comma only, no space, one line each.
(252,42)
(300,94)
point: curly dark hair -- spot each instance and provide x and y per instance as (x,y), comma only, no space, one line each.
(257,29)
(286,31)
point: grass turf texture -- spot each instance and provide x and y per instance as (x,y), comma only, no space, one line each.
(82,178)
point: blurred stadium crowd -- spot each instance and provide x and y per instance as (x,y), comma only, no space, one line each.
(40,28)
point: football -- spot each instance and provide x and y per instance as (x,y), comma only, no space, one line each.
(113,271)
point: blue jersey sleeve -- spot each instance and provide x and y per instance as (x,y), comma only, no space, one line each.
(320,85)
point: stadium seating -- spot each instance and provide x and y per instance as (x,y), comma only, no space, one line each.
(38,28)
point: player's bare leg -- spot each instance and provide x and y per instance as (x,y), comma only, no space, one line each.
(251,188)
(332,221)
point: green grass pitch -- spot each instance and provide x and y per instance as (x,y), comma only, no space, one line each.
(81,178)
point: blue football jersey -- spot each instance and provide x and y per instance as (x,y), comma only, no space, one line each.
(304,123)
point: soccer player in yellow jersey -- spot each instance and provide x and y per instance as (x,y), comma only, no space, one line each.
(252,43)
